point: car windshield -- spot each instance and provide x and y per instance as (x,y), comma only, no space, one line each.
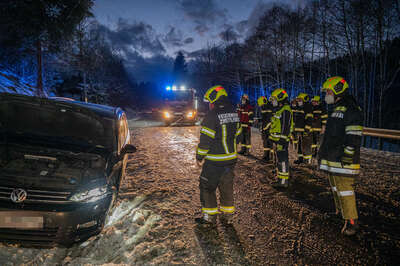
(62,124)
(179,96)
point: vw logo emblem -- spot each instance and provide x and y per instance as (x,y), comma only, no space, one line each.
(18,195)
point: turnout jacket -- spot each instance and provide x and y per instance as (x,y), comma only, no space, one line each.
(281,124)
(340,149)
(298,118)
(320,117)
(266,114)
(303,116)
(246,114)
(218,133)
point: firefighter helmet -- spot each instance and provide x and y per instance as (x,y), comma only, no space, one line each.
(214,93)
(279,95)
(303,96)
(262,100)
(337,84)
(316,98)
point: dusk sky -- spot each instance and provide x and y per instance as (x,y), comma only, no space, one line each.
(150,32)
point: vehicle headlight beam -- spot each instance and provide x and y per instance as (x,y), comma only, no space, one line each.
(91,195)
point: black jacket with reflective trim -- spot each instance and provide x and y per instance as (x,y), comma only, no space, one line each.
(302,116)
(218,133)
(319,116)
(343,133)
(298,117)
(266,114)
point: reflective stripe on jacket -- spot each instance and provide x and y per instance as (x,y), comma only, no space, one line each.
(340,148)
(281,124)
(218,134)
(246,114)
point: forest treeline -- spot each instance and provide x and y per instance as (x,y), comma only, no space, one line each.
(59,47)
(297,49)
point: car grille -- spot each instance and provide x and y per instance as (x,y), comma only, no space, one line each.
(39,236)
(37,196)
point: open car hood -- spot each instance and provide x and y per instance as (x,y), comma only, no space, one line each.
(55,121)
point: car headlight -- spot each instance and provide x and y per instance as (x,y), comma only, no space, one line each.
(91,195)
(167,115)
(190,115)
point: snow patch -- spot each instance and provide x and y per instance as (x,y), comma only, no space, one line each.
(10,83)
(118,243)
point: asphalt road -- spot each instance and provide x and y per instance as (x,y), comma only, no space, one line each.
(270,227)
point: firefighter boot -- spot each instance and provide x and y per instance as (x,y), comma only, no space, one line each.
(226,218)
(299,161)
(206,220)
(350,227)
(281,183)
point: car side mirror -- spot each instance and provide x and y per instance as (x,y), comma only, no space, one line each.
(128,148)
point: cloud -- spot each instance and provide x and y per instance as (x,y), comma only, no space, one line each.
(201,29)
(229,34)
(174,38)
(242,26)
(137,36)
(188,40)
(203,13)
(141,49)
(247,26)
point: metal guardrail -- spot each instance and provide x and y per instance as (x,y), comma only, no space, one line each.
(381,133)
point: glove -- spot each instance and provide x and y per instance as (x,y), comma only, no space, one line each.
(266,128)
(199,157)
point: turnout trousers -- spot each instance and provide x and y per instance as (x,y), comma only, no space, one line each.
(297,143)
(211,178)
(316,140)
(246,136)
(304,140)
(267,143)
(282,152)
(343,195)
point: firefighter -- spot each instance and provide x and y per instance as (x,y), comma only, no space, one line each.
(246,114)
(319,119)
(266,113)
(217,155)
(293,136)
(280,130)
(298,125)
(340,149)
(303,128)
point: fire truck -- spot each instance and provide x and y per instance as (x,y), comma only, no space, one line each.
(180,106)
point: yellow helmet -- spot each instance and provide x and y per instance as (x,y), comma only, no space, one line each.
(279,95)
(214,93)
(303,96)
(316,98)
(262,100)
(337,84)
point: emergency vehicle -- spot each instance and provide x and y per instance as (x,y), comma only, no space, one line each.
(180,106)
